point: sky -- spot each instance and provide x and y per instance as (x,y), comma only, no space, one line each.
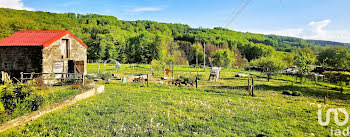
(308,19)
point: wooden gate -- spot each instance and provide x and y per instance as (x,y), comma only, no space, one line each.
(79,65)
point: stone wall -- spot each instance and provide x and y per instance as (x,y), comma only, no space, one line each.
(53,53)
(20,59)
(16,59)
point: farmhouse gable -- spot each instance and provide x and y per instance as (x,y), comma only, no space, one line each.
(43,51)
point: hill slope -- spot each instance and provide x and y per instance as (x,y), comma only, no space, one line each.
(143,41)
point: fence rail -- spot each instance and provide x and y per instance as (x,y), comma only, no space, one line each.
(52,76)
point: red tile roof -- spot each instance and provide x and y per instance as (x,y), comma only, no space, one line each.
(36,38)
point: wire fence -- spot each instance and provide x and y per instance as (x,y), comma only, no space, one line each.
(51,78)
(100,66)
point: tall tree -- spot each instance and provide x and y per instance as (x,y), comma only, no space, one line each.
(334,57)
(223,58)
(303,59)
(270,64)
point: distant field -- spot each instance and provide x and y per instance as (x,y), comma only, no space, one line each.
(221,108)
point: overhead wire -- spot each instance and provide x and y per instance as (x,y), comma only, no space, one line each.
(232,14)
(234,18)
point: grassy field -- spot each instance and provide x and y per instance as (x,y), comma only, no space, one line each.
(221,108)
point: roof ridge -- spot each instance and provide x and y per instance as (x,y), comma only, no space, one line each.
(43,31)
(36,38)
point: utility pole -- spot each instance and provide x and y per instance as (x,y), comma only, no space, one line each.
(197,63)
(172,72)
(204,56)
(197,69)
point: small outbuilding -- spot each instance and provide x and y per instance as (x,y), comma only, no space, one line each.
(42,51)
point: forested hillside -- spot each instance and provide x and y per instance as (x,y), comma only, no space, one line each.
(144,41)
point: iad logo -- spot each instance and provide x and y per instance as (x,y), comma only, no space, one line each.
(328,116)
(336,132)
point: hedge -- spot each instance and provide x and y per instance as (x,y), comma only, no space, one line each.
(337,76)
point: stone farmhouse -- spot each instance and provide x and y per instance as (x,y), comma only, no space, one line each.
(42,51)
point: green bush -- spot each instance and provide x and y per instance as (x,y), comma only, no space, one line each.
(188,80)
(2,108)
(105,75)
(184,79)
(11,96)
(337,76)
(287,92)
(33,102)
(297,93)
(19,95)
(157,65)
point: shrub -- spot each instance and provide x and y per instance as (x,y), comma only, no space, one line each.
(337,76)
(12,96)
(157,65)
(77,86)
(105,75)
(19,95)
(184,79)
(33,102)
(2,108)
(188,80)
(287,92)
(297,93)
(39,81)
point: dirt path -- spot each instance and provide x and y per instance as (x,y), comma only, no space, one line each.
(36,114)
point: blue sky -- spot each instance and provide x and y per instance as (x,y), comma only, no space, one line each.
(310,19)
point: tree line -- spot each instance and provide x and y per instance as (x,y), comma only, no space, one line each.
(147,41)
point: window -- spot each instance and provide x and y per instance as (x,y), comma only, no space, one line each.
(66,45)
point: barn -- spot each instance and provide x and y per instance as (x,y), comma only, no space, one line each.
(42,51)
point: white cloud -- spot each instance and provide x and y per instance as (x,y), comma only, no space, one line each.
(107,10)
(144,9)
(14,4)
(314,30)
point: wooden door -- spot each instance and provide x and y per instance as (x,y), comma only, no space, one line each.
(80,66)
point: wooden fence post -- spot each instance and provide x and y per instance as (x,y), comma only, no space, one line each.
(248,83)
(252,86)
(327,91)
(21,77)
(2,76)
(83,79)
(196,82)
(98,67)
(172,72)
(92,65)
(316,79)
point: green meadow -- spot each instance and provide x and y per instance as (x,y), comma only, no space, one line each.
(215,108)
